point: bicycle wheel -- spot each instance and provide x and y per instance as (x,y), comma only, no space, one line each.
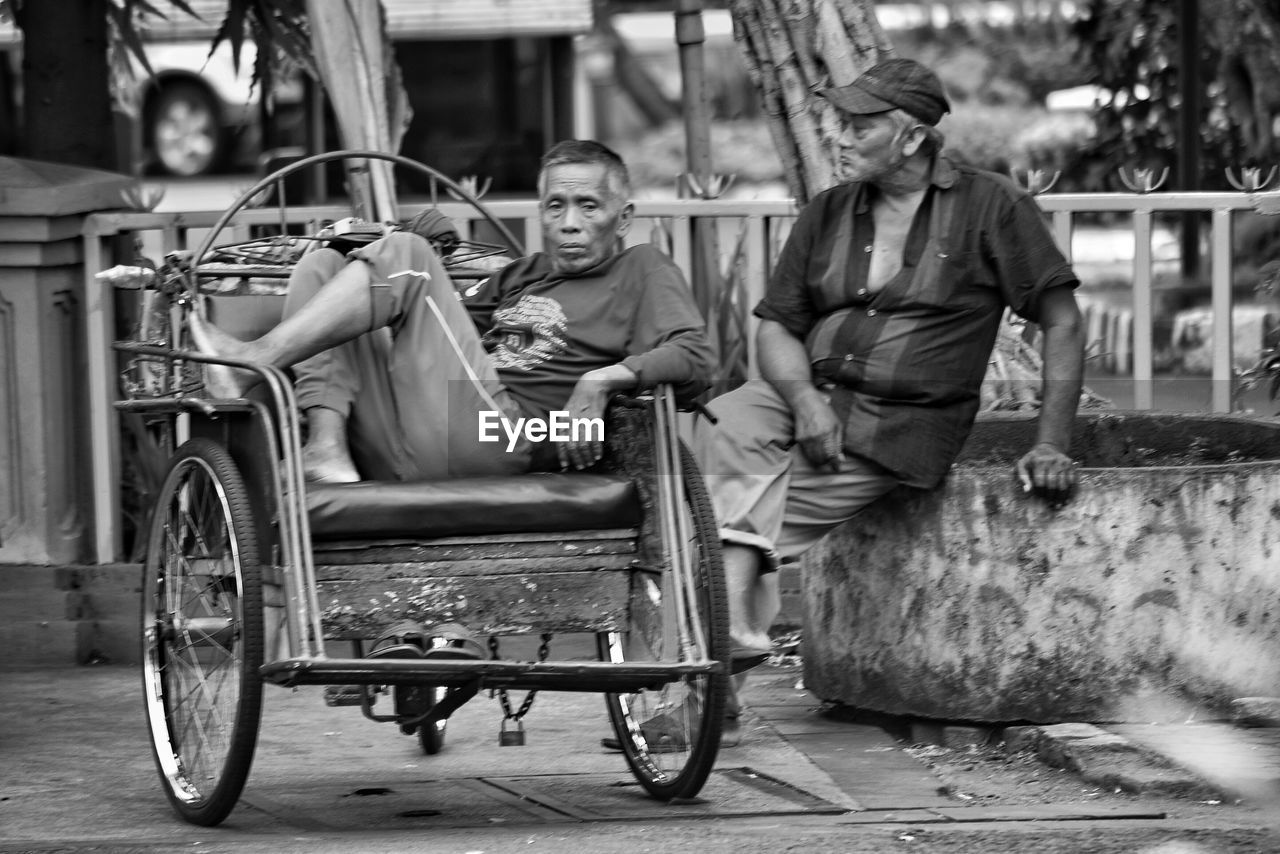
(202,633)
(671,736)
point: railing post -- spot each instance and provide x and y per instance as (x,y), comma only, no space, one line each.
(682,244)
(754,279)
(1220,285)
(1143,375)
(1063,224)
(104,429)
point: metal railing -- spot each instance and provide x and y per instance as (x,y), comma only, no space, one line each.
(762,223)
(1142,208)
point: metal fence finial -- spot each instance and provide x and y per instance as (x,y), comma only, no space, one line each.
(472,184)
(1141,180)
(1250,180)
(716,186)
(1034,182)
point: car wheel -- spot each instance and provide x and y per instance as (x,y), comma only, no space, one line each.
(184,130)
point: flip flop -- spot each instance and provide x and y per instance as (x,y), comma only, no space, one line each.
(453,641)
(743,658)
(405,639)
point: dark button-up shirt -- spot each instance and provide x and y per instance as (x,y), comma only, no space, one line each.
(907,361)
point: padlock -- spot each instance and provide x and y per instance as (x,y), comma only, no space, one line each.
(511,737)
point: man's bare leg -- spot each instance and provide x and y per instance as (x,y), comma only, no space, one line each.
(754,600)
(326,457)
(754,603)
(339,312)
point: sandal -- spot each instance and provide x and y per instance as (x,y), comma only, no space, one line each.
(743,658)
(453,641)
(405,639)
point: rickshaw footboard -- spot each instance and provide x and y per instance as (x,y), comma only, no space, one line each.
(580,676)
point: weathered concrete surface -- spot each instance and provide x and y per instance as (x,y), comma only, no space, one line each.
(1109,760)
(976,602)
(1256,711)
(61,615)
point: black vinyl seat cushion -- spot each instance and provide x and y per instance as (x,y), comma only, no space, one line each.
(527,503)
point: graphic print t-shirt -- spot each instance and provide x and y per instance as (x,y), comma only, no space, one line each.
(543,330)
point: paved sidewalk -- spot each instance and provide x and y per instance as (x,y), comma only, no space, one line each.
(77,766)
(77,774)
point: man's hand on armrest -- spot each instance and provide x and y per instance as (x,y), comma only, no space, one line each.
(589,399)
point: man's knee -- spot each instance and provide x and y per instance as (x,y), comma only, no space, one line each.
(751,410)
(310,274)
(324,262)
(751,435)
(412,245)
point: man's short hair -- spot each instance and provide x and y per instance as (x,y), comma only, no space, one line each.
(589,151)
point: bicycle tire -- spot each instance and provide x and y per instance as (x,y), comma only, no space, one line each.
(202,633)
(677,768)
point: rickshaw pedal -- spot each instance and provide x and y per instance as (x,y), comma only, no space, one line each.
(344,695)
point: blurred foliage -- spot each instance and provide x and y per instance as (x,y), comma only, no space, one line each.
(1014,63)
(741,147)
(1133,49)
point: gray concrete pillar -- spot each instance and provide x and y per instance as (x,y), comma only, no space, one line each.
(44,441)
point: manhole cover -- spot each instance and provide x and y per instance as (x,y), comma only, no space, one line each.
(548,798)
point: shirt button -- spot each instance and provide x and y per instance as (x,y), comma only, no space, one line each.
(849,357)
(862,292)
(942,255)
(867,248)
(871,313)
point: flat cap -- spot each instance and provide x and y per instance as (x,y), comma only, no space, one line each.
(893,84)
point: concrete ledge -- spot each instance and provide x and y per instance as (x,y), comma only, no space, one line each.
(977,602)
(1256,711)
(1109,760)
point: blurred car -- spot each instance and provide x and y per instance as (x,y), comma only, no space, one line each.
(197,112)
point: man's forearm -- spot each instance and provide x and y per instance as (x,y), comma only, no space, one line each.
(612,378)
(784,363)
(1062,378)
(686,360)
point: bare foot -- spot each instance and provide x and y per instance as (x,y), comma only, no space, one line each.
(731,731)
(746,638)
(328,462)
(220,380)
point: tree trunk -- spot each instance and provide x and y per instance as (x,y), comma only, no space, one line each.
(66,100)
(362,79)
(791,48)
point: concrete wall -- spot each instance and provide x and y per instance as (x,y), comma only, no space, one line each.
(977,602)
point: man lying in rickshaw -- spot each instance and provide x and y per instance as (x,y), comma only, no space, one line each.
(402,377)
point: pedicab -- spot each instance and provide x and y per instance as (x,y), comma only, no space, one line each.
(253,575)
